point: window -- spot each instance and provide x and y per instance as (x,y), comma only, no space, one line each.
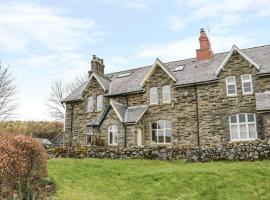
(124,75)
(90,104)
(112,135)
(166,94)
(89,135)
(247,84)
(231,86)
(99,102)
(179,68)
(153,95)
(161,132)
(243,127)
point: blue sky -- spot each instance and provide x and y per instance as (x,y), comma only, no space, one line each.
(46,40)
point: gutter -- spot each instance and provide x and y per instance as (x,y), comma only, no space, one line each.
(124,93)
(197,116)
(71,125)
(265,74)
(198,83)
(263,111)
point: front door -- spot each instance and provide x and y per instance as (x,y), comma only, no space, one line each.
(139,137)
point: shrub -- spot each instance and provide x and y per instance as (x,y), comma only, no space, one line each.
(23,164)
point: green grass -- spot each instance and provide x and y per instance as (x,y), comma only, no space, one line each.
(148,179)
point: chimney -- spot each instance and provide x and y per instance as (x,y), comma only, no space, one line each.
(97,65)
(205,51)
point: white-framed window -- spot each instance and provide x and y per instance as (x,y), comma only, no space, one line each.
(89,135)
(90,104)
(247,84)
(166,94)
(161,132)
(112,135)
(243,127)
(153,95)
(99,102)
(231,86)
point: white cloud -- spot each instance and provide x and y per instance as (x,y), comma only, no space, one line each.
(186,48)
(27,25)
(176,23)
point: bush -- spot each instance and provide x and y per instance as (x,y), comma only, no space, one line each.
(23,164)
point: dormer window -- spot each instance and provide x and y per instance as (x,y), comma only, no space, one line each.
(153,95)
(90,105)
(99,102)
(247,84)
(166,94)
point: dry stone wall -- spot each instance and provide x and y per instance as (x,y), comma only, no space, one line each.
(256,150)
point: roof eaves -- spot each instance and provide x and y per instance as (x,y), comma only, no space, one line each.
(225,61)
(150,72)
(116,111)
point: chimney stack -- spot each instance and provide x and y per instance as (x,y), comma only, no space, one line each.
(97,65)
(205,51)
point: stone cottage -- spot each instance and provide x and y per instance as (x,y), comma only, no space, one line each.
(207,100)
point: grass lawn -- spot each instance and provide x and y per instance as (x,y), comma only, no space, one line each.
(150,179)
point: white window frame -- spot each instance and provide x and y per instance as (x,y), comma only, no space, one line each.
(114,130)
(227,86)
(153,93)
(164,132)
(99,102)
(166,90)
(247,81)
(90,108)
(89,132)
(243,123)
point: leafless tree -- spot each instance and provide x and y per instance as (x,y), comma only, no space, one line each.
(8,102)
(59,91)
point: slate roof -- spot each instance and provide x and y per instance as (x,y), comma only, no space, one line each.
(98,120)
(194,72)
(129,114)
(263,101)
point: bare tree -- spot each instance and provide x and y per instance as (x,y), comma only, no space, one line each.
(59,91)
(8,102)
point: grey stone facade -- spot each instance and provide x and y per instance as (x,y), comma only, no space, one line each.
(199,112)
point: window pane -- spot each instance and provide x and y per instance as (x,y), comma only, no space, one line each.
(154,136)
(111,137)
(161,124)
(251,118)
(230,79)
(233,119)
(160,136)
(89,129)
(168,135)
(88,139)
(115,135)
(242,118)
(247,87)
(90,104)
(231,89)
(246,77)
(166,93)
(154,125)
(252,131)
(99,102)
(243,132)
(234,130)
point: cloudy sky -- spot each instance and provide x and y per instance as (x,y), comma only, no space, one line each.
(46,40)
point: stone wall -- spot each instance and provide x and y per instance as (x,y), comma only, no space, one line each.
(256,150)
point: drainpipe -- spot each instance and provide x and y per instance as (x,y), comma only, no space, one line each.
(71,125)
(197,116)
(125,129)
